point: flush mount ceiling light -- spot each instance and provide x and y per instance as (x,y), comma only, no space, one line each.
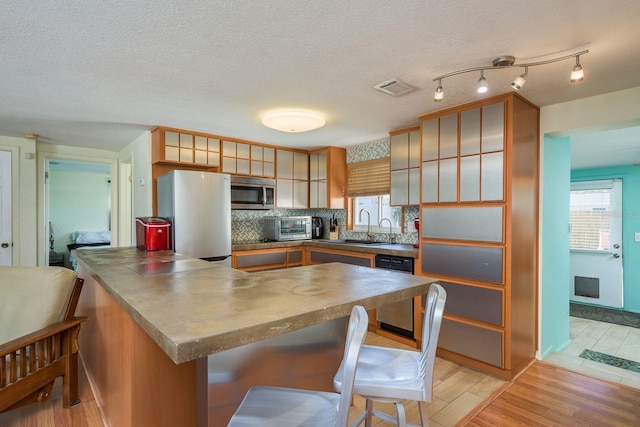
(506,62)
(293,121)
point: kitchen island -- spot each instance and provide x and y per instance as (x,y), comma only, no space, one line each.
(173,340)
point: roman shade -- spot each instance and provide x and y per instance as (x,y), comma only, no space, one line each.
(369,178)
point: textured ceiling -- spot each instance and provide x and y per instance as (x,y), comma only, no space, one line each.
(98,74)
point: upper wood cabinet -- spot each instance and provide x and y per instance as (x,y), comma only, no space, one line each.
(405,166)
(244,158)
(193,150)
(327,178)
(174,145)
(292,179)
(464,166)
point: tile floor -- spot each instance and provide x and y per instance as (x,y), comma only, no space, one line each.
(457,390)
(615,340)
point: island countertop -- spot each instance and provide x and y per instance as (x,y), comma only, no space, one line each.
(192,308)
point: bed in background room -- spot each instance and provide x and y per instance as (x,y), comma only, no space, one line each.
(87,239)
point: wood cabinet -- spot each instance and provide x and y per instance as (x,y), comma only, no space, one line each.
(405,166)
(198,150)
(327,178)
(267,259)
(292,179)
(478,229)
(244,158)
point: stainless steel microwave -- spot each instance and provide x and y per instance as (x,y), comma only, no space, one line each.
(252,193)
(283,228)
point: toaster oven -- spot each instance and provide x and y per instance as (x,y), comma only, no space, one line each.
(283,228)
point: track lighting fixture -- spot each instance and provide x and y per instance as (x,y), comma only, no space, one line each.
(520,80)
(577,74)
(482,83)
(506,62)
(439,95)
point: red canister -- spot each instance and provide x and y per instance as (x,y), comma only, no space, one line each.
(152,234)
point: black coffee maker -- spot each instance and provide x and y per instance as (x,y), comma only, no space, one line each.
(317,228)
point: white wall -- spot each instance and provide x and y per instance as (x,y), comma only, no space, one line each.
(79,201)
(23,199)
(138,153)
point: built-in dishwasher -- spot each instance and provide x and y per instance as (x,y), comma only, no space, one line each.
(396,317)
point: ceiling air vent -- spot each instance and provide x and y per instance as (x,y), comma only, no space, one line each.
(393,87)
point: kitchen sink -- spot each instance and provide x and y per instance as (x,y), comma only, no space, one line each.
(356,241)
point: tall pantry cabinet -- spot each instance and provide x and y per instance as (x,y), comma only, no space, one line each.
(478,229)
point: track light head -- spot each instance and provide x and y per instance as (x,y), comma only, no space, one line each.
(577,74)
(483,87)
(439,94)
(520,80)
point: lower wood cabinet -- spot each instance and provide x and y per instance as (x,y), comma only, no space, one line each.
(267,259)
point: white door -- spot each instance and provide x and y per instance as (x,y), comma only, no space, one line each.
(596,242)
(5,208)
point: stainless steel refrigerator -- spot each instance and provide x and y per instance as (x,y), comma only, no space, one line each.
(198,204)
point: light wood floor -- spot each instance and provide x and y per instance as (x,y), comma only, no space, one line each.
(543,395)
(548,395)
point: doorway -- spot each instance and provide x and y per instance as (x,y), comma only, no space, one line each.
(595,242)
(79,207)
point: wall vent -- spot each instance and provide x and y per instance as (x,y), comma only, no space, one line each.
(394,87)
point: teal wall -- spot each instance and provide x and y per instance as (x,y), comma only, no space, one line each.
(630,176)
(555,273)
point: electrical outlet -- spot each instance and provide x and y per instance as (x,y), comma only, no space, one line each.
(637,237)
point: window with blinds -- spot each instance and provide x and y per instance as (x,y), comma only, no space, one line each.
(368,178)
(590,219)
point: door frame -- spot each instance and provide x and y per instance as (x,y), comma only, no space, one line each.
(605,298)
(43,194)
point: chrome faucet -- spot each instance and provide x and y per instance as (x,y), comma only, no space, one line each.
(369,235)
(391,236)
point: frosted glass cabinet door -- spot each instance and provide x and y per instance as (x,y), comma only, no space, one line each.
(448,180)
(492,176)
(430,182)
(430,140)
(322,165)
(414,186)
(470,179)
(399,150)
(284,193)
(400,187)
(414,149)
(449,136)
(284,165)
(301,166)
(470,132)
(300,194)
(493,127)
(313,167)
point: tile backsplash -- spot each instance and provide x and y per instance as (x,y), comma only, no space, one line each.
(246,225)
